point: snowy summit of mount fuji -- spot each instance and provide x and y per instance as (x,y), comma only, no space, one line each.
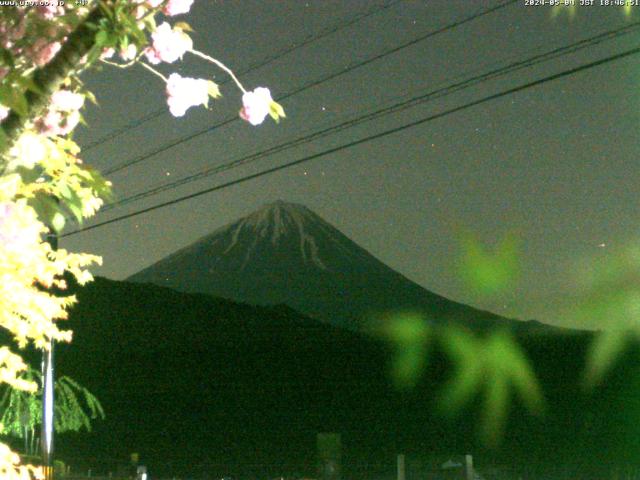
(284,253)
(279,222)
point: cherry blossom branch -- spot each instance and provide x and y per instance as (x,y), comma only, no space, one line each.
(120,65)
(222,66)
(154,71)
(132,62)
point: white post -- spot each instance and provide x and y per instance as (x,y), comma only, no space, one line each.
(401,467)
(468,460)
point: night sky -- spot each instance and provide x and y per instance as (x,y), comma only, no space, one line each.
(555,164)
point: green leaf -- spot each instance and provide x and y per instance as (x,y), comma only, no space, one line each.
(408,335)
(102,39)
(14,99)
(97,183)
(150,23)
(213,89)
(73,203)
(463,349)
(489,273)
(91,97)
(506,369)
(58,221)
(124,42)
(407,366)
(496,407)
(6,58)
(184,26)
(45,206)
(602,354)
(522,375)
(29,175)
(28,83)
(108,12)
(3,139)
(495,366)
(276,111)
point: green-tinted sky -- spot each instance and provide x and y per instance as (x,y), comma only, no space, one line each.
(556,164)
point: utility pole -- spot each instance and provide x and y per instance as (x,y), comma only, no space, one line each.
(329,448)
(402,472)
(468,461)
(46,436)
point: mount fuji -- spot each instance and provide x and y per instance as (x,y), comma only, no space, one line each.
(284,253)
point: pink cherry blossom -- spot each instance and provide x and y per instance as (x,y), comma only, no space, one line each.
(168,44)
(42,52)
(69,123)
(183,92)
(107,53)
(55,122)
(7,234)
(139,12)
(6,209)
(49,124)
(151,55)
(129,53)
(176,7)
(10,33)
(143,7)
(14,234)
(67,101)
(256,105)
(63,113)
(50,10)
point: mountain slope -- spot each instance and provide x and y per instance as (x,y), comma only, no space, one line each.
(205,387)
(285,254)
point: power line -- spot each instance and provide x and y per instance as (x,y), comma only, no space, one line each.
(488,98)
(431,95)
(312,84)
(309,39)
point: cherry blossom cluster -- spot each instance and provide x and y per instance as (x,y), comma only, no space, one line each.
(51,24)
(146,8)
(169,44)
(170,8)
(61,116)
(63,113)
(30,39)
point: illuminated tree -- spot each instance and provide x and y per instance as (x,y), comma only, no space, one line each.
(43,182)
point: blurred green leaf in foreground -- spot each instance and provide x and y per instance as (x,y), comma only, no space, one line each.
(489,273)
(494,366)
